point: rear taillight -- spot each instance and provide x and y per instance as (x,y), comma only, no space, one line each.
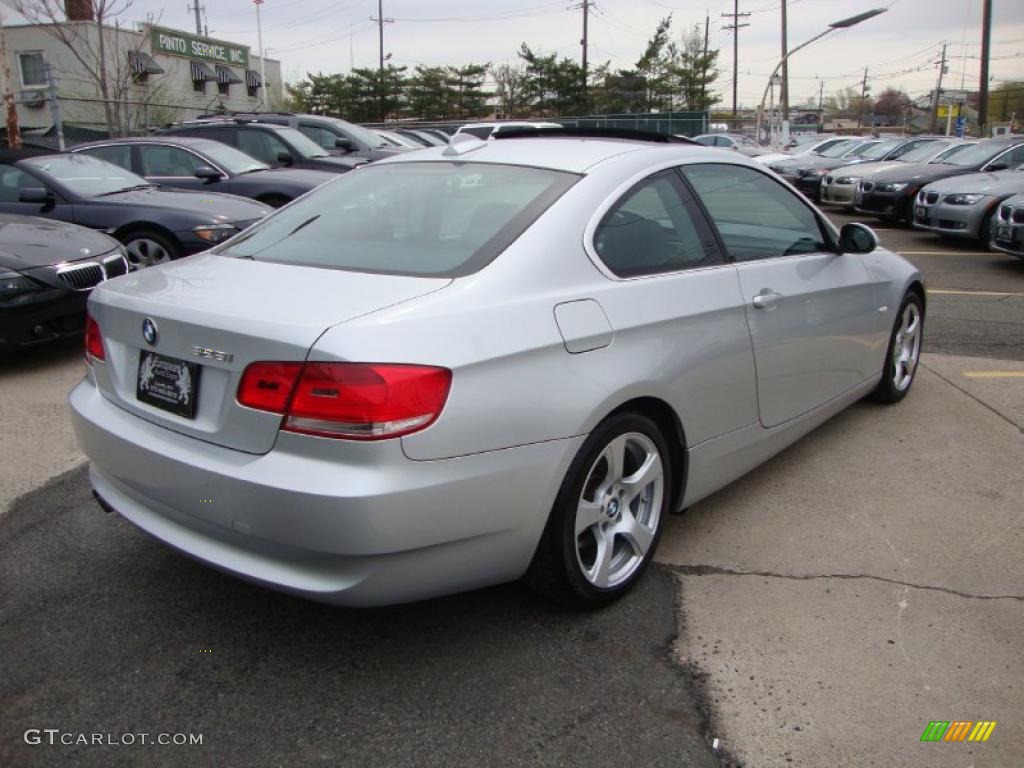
(93,341)
(353,401)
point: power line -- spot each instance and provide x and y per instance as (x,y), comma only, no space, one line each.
(735,27)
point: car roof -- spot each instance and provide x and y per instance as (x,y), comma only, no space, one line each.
(225,123)
(574,154)
(162,138)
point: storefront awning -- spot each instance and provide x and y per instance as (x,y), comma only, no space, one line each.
(143,64)
(226,75)
(201,73)
(252,78)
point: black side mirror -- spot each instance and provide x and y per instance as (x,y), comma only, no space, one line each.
(285,158)
(35,195)
(857,238)
(996,167)
(208,173)
(343,143)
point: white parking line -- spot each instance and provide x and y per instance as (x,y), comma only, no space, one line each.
(946,292)
(994,374)
(947,253)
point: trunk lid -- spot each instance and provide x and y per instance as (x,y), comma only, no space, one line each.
(222,313)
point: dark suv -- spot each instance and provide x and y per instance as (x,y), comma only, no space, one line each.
(331,133)
(276,145)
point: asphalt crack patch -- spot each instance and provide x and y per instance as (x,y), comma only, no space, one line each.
(717,570)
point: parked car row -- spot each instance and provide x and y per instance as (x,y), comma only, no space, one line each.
(953,187)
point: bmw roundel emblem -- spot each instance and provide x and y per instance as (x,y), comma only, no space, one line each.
(149,331)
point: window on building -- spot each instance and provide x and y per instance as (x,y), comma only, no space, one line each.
(223,88)
(33,69)
(199,86)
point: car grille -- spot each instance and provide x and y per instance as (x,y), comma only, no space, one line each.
(932,197)
(1004,213)
(115,266)
(81,277)
(828,179)
(867,186)
(1018,215)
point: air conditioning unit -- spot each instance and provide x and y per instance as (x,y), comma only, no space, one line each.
(32,98)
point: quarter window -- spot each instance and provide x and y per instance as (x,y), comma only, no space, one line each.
(261,144)
(756,217)
(118,155)
(650,231)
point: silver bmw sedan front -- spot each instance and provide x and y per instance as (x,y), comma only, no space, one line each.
(476,363)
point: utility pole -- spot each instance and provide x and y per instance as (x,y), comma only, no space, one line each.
(864,88)
(704,66)
(821,105)
(784,90)
(986,43)
(585,5)
(199,23)
(938,91)
(735,27)
(263,56)
(381,21)
(13,130)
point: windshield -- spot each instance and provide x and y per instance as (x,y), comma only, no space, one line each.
(85,175)
(230,159)
(840,149)
(978,154)
(301,142)
(879,150)
(924,152)
(428,219)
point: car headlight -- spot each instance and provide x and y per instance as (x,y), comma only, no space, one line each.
(847,180)
(964,199)
(893,187)
(216,233)
(13,285)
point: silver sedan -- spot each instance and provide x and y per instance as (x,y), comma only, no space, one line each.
(490,361)
(964,206)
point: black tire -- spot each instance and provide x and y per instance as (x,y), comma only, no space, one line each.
(137,241)
(887,391)
(985,232)
(908,211)
(556,571)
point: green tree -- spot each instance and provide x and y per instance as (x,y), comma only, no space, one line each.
(690,71)
(510,89)
(553,86)
(429,93)
(467,85)
(1006,100)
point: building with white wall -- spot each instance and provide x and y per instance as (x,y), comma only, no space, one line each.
(154,75)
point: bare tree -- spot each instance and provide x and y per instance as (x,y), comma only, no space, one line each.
(105,52)
(511,81)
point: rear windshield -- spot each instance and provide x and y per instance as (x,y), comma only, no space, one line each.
(425,219)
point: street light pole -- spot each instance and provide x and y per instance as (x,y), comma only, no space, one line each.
(263,69)
(842,24)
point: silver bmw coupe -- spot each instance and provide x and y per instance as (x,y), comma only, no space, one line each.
(484,362)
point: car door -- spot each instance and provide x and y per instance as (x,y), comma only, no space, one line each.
(264,146)
(812,312)
(676,306)
(13,180)
(172,166)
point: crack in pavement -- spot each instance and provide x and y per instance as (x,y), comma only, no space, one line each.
(717,570)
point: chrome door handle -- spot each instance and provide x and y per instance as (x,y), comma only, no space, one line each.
(766,299)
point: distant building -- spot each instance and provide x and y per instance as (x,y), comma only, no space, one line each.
(155,75)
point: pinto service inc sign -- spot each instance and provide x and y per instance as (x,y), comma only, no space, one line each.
(171,42)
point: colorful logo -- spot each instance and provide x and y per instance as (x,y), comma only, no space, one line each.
(958,730)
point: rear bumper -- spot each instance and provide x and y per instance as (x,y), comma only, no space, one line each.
(371,531)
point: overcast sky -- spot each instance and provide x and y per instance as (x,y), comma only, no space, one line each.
(899,47)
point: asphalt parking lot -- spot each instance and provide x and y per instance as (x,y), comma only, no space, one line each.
(819,612)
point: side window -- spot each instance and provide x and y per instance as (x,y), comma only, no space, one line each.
(13,180)
(167,161)
(261,144)
(321,136)
(756,216)
(120,154)
(1013,158)
(723,141)
(650,230)
(707,141)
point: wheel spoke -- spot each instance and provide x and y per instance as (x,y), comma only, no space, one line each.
(588,513)
(650,471)
(615,456)
(638,535)
(600,573)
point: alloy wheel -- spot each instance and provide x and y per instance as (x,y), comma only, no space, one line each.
(145,252)
(619,508)
(906,347)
